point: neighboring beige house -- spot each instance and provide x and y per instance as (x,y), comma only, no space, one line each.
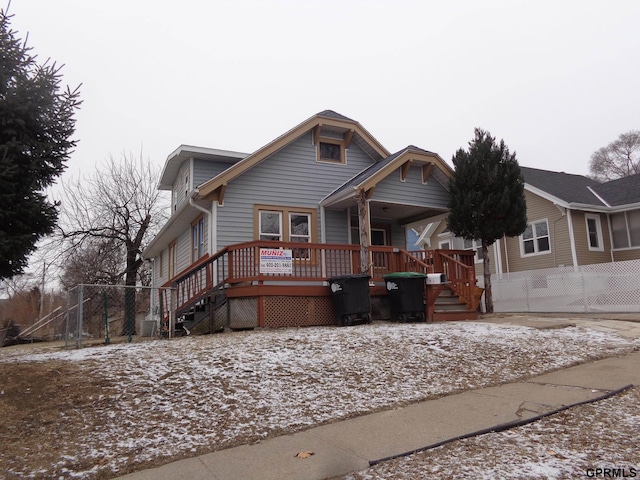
(572,220)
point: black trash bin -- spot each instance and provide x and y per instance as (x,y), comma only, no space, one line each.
(406,295)
(351,298)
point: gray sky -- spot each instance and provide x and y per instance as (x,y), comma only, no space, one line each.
(555,79)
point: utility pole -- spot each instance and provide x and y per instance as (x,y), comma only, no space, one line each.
(44,269)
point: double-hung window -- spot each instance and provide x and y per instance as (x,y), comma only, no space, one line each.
(270,225)
(594,232)
(535,239)
(197,239)
(625,228)
(286,224)
(476,246)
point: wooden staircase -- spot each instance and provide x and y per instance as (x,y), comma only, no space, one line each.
(451,307)
(200,315)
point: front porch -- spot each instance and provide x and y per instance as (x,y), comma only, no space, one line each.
(230,290)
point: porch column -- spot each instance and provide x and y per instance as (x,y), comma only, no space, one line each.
(363,224)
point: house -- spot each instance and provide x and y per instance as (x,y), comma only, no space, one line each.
(573,221)
(327,184)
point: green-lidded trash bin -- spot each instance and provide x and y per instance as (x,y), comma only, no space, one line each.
(351,298)
(406,295)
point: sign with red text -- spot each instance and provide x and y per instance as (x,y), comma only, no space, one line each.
(274,260)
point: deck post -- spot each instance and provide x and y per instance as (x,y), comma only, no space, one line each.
(363,224)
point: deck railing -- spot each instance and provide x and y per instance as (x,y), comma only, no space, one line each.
(311,263)
(459,267)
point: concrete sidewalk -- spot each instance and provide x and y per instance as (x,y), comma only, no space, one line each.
(357,443)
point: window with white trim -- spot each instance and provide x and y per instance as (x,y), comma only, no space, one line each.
(625,229)
(270,225)
(476,246)
(197,239)
(594,232)
(535,238)
(173,260)
(300,231)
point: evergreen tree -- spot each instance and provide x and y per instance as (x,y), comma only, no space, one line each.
(36,124)
(487,198)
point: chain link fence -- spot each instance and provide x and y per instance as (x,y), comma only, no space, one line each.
(604,287)
(107,311)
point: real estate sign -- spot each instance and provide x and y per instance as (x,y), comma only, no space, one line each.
(273,260)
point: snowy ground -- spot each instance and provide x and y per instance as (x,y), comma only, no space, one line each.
(104,411)
(598,440)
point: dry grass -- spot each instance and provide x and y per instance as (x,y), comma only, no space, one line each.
(105,411)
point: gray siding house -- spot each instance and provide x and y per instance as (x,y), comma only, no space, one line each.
(300,187)
(305,186)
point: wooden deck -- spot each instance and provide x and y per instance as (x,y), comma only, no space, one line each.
(235,292)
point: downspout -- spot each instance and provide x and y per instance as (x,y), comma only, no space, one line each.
(506,254)
(610,237)
(572,240)
(498,256)
(209,215)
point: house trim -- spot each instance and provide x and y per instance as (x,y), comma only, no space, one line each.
(598,225)
(572,240)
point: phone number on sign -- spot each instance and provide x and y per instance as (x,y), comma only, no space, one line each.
(276,264)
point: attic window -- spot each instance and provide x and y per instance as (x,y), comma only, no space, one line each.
(331,151)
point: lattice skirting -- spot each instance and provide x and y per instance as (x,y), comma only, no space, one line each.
(380,309)
(283,311)
(290,311)
(243,313)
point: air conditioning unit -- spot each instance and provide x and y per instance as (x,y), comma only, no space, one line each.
(436,278)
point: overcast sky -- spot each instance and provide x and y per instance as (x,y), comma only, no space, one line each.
(555,79)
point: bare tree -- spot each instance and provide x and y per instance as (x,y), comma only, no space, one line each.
(621,158)
(98,261)
(119,207)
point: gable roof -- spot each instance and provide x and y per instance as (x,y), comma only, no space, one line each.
(185,152)
(623,191)
(570,188)
(373,174)
(326,120)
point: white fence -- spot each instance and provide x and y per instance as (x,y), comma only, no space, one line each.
(604,287)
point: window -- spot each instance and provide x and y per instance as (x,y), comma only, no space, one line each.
(299,228)
(270,226)
(332,151)
(633,220)
(286,224)
(173,258)
(380,233)
(378,236)
(197,239)
(535,239)
(625,228)
(476,246)
(594,232)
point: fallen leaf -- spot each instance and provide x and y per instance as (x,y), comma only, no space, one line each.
(304,454)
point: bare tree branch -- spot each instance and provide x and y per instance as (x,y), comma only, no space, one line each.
(621,158)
